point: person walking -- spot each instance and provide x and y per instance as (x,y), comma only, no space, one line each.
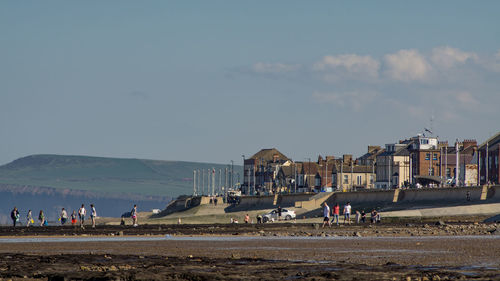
(93,215)
(279,213)
(336,212)
(133,214)
(363,216)
(73,218)
(373,216)
(81,214)
(358,216)
(14,215)
(347,213)
(326,214)
(63,216)
(41,218)
(29,218)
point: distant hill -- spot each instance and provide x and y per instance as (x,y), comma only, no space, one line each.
(108,175)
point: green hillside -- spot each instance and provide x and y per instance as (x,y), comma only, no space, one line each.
(111,175)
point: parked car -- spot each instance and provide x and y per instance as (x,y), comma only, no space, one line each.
(273,215)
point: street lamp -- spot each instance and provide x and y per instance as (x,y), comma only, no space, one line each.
(243,156)
(231,179)
(308,171)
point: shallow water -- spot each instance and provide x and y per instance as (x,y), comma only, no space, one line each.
(226,238)
(78,239)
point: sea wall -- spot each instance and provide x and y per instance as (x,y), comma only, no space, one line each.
(404,198)
(270,201)
(386,199)
(452,194)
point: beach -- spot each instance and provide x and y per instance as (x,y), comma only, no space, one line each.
(280,251)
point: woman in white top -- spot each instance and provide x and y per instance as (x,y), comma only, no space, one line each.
(347,213)
(81,214)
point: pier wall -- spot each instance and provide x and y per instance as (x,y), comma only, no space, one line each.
(410,197)
(385,199)
(270,201)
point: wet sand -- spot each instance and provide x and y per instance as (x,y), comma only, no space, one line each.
(249,255)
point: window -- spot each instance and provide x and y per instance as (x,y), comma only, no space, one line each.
(427,156)
(334,179)
(448,172)
(371,179)
(317,181)
(358,180)
(435,156)
(346,179)
(431,171)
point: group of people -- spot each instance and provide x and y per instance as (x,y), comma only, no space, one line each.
(214,200)
(335,213)
(63,217)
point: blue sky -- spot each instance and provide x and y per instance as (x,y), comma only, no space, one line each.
(212,80)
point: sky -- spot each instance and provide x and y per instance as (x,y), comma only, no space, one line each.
(210,81)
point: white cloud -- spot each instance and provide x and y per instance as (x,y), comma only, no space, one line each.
(356,100)
(348,64)
(407,66)
(466,99)
(447,57)
(492,63)
(262,67)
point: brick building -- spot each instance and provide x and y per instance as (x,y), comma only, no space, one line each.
(489,152)
(260,172)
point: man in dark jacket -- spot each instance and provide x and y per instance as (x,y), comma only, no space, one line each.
(14,215)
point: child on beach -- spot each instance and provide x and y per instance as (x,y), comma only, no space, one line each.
(73,218)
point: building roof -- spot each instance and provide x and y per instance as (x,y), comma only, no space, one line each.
(288,171)
(451,159)
(270,155)
(355,169)
(402,152)
(495,139)
(372,153)
(309,168)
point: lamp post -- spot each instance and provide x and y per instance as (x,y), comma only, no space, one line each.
(487,166)
(326,172)
(457,165)
(373,174)
(231,179)
(295,177)
(308,170)
(194,182)
(246,186)
(341,174)
(352,175)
